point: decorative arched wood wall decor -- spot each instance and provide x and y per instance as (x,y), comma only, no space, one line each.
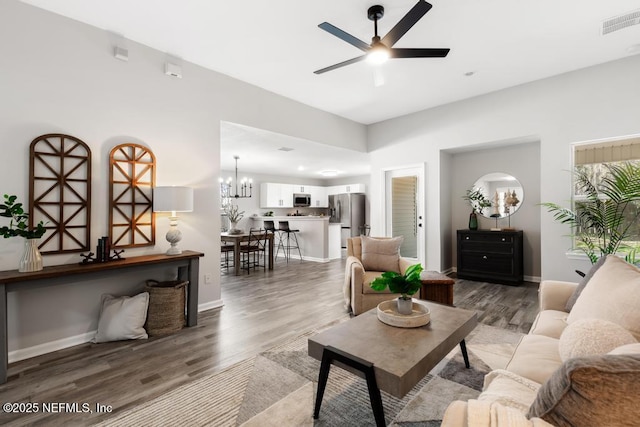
(60,192)
(132,176)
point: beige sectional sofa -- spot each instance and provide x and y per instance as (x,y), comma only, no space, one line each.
(579,365)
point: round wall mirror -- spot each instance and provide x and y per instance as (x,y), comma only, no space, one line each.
(503,191)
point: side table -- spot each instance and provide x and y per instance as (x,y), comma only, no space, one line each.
(437,287)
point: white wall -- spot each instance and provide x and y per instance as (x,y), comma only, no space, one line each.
(597,102)
(59,75)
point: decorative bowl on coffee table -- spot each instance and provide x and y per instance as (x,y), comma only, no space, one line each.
(388,313)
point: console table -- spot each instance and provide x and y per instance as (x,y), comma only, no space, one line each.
(11,280)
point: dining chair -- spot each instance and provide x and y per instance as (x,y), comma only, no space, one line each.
(254,249)
(226,248)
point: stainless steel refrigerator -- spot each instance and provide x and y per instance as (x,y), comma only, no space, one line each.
(348,210)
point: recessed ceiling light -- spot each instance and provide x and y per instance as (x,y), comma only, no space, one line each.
(300,168)
(328,173)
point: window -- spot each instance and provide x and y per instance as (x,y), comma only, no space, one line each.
(593,161)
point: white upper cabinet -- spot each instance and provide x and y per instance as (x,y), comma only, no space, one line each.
(349,188)
(276,195)
(319,198)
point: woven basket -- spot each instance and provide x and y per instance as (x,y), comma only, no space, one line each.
(166,307)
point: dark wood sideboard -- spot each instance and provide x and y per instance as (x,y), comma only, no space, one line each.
(491,256)
(187,264)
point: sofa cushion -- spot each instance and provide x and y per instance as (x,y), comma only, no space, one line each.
(627,349)
(591,391)
(536,358)
(381,254)
(574,297)
(613,294)
(370,276)
(549,323)
(589,337)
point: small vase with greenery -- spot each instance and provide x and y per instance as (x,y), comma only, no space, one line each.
(234,215)
(405,284)
(19,223)
(606,215)
(478,202)
(19,226)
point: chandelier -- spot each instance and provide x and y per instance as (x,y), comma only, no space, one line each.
(242,192)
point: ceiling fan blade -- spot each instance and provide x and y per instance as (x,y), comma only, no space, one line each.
(405,24)
(341,64)
(418,53)
(342,35)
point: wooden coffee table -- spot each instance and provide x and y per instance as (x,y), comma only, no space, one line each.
(391,359)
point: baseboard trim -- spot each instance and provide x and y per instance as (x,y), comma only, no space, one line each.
(307,258)
(61,344)
(210,305)
(535,279)
(49,347)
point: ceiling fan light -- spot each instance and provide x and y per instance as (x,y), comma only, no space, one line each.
(378,55)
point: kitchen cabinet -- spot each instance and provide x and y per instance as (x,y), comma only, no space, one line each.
(349,188)
(274,195)
(492,256)
(319,198)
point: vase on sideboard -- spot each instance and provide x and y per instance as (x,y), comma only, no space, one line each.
(473,221)
(31,259)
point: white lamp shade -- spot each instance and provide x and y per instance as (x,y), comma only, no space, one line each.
(173,199)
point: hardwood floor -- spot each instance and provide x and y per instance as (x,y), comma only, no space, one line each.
(261,309)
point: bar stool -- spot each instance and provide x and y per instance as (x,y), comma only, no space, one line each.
(291,240)
(269,227)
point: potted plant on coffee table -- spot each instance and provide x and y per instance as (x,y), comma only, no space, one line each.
(406,284)
(19,226)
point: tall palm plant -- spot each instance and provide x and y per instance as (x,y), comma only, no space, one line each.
(603,220)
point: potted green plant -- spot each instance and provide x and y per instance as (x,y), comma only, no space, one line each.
(406,284)
(234,216)
(603,218)
(478,202)
(19,226)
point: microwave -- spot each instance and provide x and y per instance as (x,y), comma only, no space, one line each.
(301,200)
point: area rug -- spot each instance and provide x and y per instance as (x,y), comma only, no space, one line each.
(277,388)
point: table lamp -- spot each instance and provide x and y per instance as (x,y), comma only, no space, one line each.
(173,199)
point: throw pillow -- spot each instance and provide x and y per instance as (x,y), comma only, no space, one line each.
(591,391)
(626,349)
(574,297)
(122,318)
(588,337)
(381,254)
(613,294)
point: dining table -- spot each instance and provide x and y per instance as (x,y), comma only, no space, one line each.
(238,239)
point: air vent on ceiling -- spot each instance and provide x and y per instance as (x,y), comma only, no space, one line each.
(285,149)
(619,22)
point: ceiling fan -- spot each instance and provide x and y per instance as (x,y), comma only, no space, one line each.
(382,48)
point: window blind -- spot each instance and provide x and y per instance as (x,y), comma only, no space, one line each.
(404,214)
(610,151)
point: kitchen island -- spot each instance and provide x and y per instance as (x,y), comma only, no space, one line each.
(313,236)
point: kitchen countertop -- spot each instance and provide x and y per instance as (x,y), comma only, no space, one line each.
(293,217)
